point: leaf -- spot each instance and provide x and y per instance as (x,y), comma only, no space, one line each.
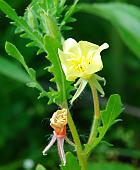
(48,44)
(22,24)
(40,167)
(110,166)
(13,71)
(72,163)
(124,17)
(113,110)
(8,10)
(63,86)
(108,118)
(14,52)
(67,18)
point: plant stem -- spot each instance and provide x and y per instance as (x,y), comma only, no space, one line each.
(81,157)
(95,123)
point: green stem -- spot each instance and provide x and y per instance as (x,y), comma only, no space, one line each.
(95,124)
(81,157)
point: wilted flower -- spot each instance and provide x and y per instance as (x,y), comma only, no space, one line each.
(80,59)
(58,122)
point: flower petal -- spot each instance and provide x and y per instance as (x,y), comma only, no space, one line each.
(49,145)
(86,46)
(103,47)
(71,46)
(95,59)
(66,65)
(60,145)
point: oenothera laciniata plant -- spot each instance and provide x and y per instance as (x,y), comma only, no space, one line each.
(73,65)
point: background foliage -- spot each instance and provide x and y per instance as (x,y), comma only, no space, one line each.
(24,120)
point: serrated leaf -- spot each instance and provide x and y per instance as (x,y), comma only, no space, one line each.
(40,167)
(124,17)
(20,22)
(52,46)
(72,163)
(108,117)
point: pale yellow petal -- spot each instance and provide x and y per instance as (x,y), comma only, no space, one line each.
(95,65)
(70,73)
(103,47)
(71,46)
(86,47)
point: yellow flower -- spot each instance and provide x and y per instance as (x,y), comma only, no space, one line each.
(80,59)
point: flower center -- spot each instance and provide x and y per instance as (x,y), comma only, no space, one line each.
(80,64)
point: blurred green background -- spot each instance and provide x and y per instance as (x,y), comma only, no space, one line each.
(24,120)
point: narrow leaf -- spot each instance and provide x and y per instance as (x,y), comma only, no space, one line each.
(8,10)
(13,51)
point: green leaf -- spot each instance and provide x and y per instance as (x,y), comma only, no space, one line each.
(8,10)
(22,24)
(72,163)
(68,16)
(113,110)
(108,118)
(63,86)
(124,17)
(110,166)
(40,167)
(13,51)
(13,71)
